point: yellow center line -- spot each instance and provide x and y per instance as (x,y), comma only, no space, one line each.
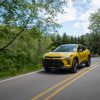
(53,87)
(70,82)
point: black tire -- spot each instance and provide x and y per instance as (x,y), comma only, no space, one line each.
(88,63)
(74,66)
(47,69)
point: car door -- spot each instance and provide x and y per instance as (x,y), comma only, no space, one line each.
(85,55)
(81,53)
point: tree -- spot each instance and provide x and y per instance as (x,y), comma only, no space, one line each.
(95,22)
(71,39)
(65,39)
(25,14)
(94,37)
(81,40)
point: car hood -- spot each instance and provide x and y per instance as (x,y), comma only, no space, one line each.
(58,54)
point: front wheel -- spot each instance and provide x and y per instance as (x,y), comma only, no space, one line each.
(74,66)
(47,69)
(88,63)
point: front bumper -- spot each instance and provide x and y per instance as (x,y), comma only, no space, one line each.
(56,63)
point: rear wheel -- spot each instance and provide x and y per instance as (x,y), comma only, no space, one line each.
(88,63)
(74,66)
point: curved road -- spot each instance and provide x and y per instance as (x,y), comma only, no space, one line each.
(57,85)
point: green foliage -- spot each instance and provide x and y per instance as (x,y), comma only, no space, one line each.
(95,22)
(65,38)
(23,14)
(94,37)
(25,51)
(92,41)
(23,24)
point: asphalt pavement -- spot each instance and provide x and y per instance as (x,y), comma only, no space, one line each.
(56,85)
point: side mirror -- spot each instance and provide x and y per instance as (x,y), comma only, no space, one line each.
(80,50)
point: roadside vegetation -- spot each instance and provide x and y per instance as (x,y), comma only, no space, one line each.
(25,34)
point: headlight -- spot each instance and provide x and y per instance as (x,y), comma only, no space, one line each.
(67,58)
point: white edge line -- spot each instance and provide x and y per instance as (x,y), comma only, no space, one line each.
(20,76)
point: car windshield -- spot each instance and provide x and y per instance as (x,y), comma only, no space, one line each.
(66,48)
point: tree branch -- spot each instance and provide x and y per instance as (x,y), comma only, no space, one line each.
(10,42)
(14,38)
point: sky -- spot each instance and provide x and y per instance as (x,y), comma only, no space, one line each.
(75,20)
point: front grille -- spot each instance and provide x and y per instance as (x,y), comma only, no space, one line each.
(53,63)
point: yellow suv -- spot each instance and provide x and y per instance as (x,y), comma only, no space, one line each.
(68,56)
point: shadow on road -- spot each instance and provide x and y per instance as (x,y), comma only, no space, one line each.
(59,72)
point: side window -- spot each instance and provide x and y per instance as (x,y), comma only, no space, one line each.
(79,48)
(83,48)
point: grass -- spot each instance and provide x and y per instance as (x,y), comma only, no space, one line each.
(15,72)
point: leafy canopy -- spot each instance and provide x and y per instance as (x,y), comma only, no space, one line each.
(24,14)
(95,22)
(29,13)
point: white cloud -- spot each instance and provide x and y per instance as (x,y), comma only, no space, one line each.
(76,25)
(69,15)
(83,20)
(81,25)
(78,12)
(95,4)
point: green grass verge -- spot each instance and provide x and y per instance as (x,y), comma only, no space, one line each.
(15,72)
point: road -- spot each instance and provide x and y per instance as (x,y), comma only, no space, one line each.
(57,85)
